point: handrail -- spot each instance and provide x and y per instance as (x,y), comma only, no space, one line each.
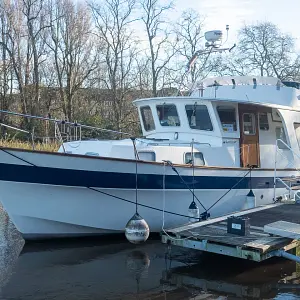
(21,130)
(287,147)
(275,167)
(176,143)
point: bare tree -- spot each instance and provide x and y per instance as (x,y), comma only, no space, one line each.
(263,49)
(36,22)
(15,44)
(190,39)
(113,21)
(4,62)
(73,49)
(162,46)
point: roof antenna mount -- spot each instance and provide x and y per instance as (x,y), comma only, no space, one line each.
(213,44)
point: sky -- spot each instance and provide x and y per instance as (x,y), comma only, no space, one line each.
(218,13)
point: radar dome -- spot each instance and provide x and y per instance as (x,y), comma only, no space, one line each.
(213,36)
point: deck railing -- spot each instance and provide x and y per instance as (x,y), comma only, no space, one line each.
(292,178)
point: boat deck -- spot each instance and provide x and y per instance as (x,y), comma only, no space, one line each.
(272,228)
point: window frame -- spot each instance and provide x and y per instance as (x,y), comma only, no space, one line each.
(203,159)
(209,114)
(243,128)
(282,147)
(298,140)
(259,114)
(142,117)
(236,118)
(168,104)
(148,151)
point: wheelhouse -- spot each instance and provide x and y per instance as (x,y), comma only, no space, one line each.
(233,122)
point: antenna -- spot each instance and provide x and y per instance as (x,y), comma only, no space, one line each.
(212,45)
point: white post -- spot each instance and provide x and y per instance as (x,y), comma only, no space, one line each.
(275,173)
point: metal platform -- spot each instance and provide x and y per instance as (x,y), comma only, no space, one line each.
(274,229)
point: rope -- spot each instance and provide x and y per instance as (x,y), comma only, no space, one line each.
(62,122)
(229,190)
(163,211)
(143,205)
(174,169)
(18,157)
(136,176)
(193,234)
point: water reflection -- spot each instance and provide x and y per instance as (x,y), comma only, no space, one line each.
(231,278)
(138,263)
(115,269)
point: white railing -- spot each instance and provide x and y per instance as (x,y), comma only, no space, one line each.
(288,187)
(69,131)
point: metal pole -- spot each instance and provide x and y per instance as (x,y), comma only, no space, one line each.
(193,170)
(282,253)
(275,172)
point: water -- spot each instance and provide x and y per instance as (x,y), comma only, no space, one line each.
(115,269)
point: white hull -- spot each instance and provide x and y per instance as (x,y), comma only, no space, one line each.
(47,211)
(67,211)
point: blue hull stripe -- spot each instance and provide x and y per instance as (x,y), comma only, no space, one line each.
(82,178)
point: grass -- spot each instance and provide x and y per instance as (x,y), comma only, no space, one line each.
(51,147)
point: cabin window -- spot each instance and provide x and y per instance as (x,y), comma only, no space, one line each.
(147,118)
(249,124)
(92,153)
(297,131)
(227,117)
(167,115)
(263,121)
(198,157)
(198,117)
(146,155)
(280,134)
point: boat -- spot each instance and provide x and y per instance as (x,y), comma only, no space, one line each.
(231,136)
(229,143)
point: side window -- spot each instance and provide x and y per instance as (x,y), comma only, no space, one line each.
(198,117)
(280,134)
(147,155)
(198,157)
(227,117)
(263,121)
(249,123)
(147,118)
(167,115)
(297,131)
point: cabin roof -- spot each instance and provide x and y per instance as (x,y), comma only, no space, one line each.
(258,90)
(240,80)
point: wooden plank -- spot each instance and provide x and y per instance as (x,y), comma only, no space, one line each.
(268,243)
(284,229)
(220,236)
(219,219)
(251,232)
(217,235)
